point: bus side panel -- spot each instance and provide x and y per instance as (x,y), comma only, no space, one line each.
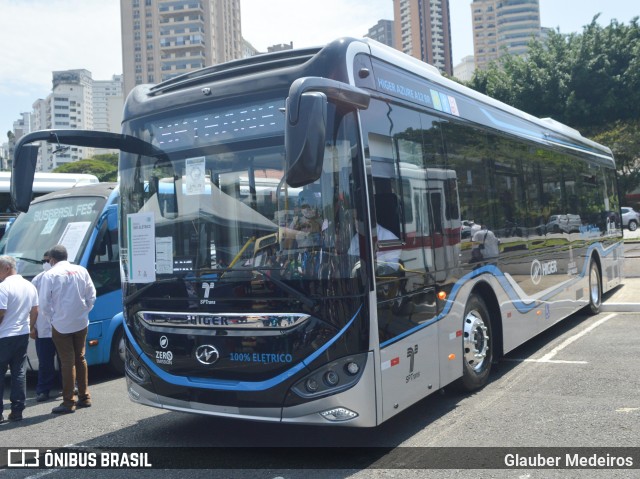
(100,327)
(612,267)
(409,370)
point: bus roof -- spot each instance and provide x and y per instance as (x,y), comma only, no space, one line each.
(94,189)
(48,182)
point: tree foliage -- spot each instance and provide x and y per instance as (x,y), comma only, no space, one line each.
(105,167)
(589,81)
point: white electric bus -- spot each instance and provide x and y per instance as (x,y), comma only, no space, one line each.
(228,313)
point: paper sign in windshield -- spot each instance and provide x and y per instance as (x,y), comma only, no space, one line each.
(72,238)
(142,247)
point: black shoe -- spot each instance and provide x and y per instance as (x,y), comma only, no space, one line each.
(62,409)
(42,397)
(15,416)
(83,403)
(1,418)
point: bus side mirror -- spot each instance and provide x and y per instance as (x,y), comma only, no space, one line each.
(23,171)
(304,139)
(112,217)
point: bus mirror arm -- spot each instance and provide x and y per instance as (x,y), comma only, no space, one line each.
(306,120)
(26,154)
(334,90)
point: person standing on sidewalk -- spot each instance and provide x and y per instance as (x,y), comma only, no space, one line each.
(45,349)
(18,310)
(67,296)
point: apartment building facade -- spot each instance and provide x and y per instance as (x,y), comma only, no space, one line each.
(503,27)
(423,30)
(162,39)
(383,32)
(76,101)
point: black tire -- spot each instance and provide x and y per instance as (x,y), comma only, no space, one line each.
(477,347)
(595,288)
(116,356)
(633,225)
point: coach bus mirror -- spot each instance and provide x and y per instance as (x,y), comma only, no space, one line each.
(304,139)
(23,171)
(112,217)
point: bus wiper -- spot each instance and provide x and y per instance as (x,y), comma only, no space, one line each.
(30,260)
(304,299)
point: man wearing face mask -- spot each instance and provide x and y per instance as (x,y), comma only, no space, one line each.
(45,349)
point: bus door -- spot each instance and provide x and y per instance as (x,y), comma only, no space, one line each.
(409,343)
(103,265)
(444,218)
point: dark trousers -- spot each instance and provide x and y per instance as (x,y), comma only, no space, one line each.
(47,374)
(13,355)
(73,366)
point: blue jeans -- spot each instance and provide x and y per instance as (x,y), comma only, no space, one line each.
(47,374)
(13,354)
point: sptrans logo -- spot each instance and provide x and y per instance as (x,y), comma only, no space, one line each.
(538,269)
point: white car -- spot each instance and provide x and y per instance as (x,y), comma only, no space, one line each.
(630,218)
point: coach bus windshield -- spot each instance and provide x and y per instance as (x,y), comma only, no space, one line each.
(67,221)
(222,210)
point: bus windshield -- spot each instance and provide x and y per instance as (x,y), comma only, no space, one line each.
(67,221)
(222,209)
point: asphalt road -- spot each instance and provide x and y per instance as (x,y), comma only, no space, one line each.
(576,385)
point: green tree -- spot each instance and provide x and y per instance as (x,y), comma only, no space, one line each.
(624,140)
(586,80)
(589,81)
(105,171)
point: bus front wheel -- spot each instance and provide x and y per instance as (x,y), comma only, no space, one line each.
(116,357)
(477,345)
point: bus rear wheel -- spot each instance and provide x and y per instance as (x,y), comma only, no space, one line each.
(595,288)
(477,345)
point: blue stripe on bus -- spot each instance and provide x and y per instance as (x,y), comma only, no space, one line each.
(229,385)
(520,305)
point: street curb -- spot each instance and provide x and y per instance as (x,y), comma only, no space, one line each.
(620,308)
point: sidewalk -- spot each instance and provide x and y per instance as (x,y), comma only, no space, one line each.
(623,299)
(626,297)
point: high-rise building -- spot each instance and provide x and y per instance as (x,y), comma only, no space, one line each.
(423,30)
(165,38)
(464,70)
(69,107)
(503,26)
(382,32)
(108,103)
(76,101)
(280,47)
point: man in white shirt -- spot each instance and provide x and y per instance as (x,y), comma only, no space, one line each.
(485,240)
(67,296)
(45,349)
(18,309)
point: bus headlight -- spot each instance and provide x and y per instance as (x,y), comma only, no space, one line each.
(332,377)
(311,385)
(134,369)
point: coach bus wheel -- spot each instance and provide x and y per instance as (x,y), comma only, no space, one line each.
(595,288)
(477,346)
(116,358)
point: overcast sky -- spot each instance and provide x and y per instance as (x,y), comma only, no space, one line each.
(41,36)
